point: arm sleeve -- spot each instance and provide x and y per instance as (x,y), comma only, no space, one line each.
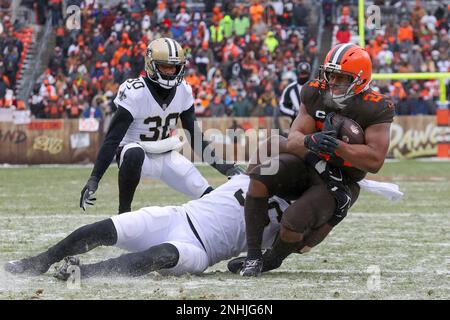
(308,94)
(197,140)
(117,130)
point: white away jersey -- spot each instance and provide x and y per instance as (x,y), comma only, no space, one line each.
(219,219)
(153,120)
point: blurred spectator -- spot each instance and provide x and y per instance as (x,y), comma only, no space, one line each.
(227,26)
(415,58)
(256,11)
(216,107)
(384,59)
(243,106)
(241,23)
(405,34)
(343,35)
(300,13)
(271,42)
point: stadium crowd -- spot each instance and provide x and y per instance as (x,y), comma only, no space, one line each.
(240,55)
(414,38)
(11,48)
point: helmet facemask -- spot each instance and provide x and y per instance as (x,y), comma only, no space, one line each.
(167,81)
(341,84)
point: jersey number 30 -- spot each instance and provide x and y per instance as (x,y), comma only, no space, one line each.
(156,126)
(154,122)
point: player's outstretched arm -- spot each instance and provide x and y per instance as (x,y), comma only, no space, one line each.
(117,130)
(189,123)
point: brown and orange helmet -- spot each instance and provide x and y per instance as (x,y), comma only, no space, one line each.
(348,60)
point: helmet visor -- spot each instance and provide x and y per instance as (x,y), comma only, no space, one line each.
(168,71)
(338,81)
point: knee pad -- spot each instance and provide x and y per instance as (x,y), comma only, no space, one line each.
(166,253)
(101,233)
(133,159)
(162,256)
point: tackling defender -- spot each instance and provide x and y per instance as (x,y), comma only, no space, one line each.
(148,109)
(173,239)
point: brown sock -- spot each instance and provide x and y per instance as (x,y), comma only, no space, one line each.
(256,218)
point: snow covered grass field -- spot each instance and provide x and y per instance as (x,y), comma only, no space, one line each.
(382,250)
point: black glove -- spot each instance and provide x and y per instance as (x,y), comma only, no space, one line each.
(88,192)
(322,142)
(343,197)
(234,171)
(335,181)
(228,169)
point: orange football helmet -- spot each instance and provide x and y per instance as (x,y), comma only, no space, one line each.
(348,60)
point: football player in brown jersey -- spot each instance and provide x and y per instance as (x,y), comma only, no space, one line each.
(325,192)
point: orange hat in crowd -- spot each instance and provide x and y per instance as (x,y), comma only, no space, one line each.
(20,104)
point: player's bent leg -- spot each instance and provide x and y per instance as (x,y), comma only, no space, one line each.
(314,208)
(130,166)
(134,264)
(192,259)
(291,174)
(256,218)
(84,239)
(160,238)
(181,175)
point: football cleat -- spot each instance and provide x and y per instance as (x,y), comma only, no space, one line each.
(63,272)
(30,266)
(251,268)
(269,263)
(235,265)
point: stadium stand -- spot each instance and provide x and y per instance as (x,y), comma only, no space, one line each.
(241,54)
(15,42)
(232,49)
(414,37)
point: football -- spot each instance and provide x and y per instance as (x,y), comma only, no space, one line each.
(350,131)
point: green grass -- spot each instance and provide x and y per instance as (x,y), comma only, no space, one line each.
(407,240)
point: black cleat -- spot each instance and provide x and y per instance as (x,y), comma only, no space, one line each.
(235,265)
(252,268)
(30,266)
(63,272)
(269,263)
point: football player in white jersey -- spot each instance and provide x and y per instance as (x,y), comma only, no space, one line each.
(148,108)
(172,240)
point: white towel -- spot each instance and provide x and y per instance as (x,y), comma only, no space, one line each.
(162,146)
(388,190)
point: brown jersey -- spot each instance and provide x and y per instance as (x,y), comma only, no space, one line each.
(367,108)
